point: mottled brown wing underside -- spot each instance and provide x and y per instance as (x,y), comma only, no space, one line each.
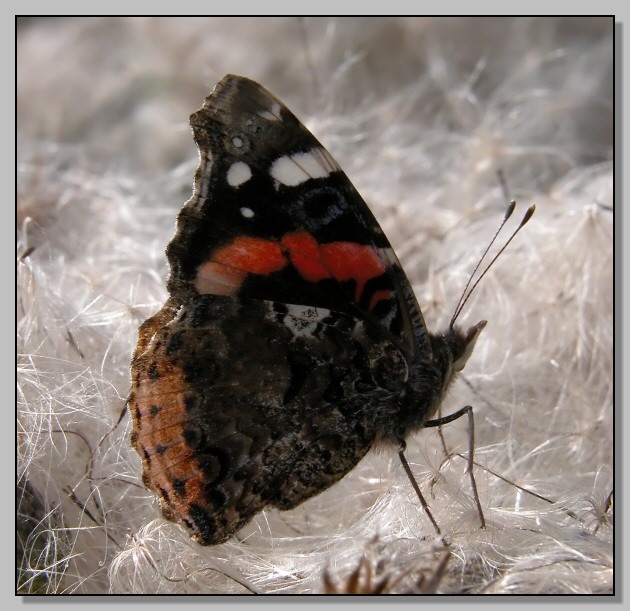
(222,434)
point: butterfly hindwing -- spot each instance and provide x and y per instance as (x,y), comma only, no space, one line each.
(225,431)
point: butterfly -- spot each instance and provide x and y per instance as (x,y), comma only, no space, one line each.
(291,341)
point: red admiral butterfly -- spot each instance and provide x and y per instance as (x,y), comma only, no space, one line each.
(291,341)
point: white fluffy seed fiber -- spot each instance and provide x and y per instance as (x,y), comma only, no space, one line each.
(422,114)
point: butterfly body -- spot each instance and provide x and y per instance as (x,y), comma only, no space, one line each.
(291,341)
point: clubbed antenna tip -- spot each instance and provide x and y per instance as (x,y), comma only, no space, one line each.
(466,292)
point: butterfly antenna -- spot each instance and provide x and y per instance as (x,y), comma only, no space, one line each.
(466,292)
(506,216)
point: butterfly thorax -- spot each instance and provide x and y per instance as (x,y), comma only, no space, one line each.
(429,380)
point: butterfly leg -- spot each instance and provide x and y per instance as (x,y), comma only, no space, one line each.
(414,483)
(471,447)
(444,447)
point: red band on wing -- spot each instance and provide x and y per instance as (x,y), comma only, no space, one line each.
(306,256)
(252,255)
(225,272)
(351,261)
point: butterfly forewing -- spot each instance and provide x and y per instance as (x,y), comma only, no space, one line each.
(275,218)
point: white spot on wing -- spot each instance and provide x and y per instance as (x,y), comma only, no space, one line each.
(301,320)
(273,114)
(293,170)
(216,279)
(299,327)
(237,142)
(287,173)
(248,213)
(238,173)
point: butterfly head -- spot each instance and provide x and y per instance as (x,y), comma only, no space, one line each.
(451,351)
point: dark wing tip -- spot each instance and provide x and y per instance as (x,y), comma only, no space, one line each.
(240,104)
(235,95)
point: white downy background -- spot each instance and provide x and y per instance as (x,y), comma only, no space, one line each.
(422,114)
